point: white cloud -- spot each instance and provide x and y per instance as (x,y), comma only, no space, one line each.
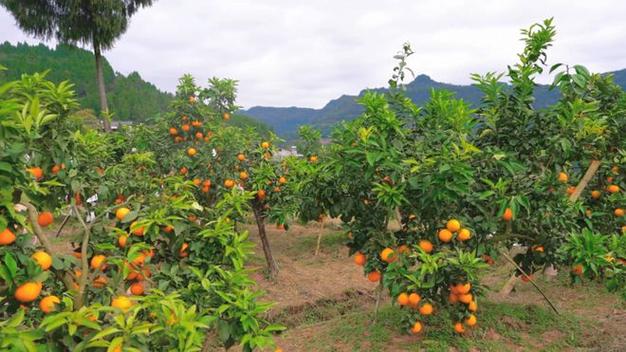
(300,53)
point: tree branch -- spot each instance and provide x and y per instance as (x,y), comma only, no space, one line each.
(43,239)
(83,258)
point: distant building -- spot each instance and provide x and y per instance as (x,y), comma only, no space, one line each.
(115,125)
(283,153)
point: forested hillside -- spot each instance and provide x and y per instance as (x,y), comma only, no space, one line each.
(130,97)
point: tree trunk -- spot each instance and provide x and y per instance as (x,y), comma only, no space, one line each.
(271,263)
(319,238)
(104,107)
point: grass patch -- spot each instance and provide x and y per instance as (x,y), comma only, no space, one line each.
(332,242)
(322,310)
(501,326)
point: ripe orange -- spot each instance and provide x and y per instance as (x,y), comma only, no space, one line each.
(97,261)
(416,328)
(100,281)
(507,215)
(37,172)
(186,127)
(403,299)
(192,151)
(426,309)
(445,235)
(463,289)
(313,158)
(48,304)
(183,250)
(414,299)
(261,194)
(471,320)
(28,291)
(55,169)
(197,182)
(466,298)
(139,260)
(458,328)
(563,178)
(241,157)
(168,229)
(184,170)
(388,255)
(453,298)
(265,145)
(464,235)
(77,199)
(426,246)
(137,230)
(43,259)
(173,131)
(473,306)
(373,276)
(453,225)
(243,175)
(121,241)
(571,190)
(360,259)
(404,249)
(538,248)
(137,289)
(121,302)
(7,237)
(282,180)
(121,213)
(577,269)
(613,188)
(619,212)
(196,123)
(226,116)
(45,218)
(228,183)
(595,194)
(526,278)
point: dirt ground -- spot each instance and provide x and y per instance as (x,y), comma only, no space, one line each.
(309,287)
(324,299)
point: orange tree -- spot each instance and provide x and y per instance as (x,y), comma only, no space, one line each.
(161,273)
(438,186)
(218,158)
(559,147)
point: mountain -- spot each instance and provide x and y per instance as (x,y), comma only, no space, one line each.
(129,97)
(286,120)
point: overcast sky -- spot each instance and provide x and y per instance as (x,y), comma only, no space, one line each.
(304,53)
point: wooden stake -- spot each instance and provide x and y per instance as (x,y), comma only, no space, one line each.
(591,171)
(506,256)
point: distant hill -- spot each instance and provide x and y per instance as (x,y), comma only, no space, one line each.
(130,97)
(286,120)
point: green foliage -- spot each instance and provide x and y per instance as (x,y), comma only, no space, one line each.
(130,97)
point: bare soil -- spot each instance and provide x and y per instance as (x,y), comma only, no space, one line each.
(308,285)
